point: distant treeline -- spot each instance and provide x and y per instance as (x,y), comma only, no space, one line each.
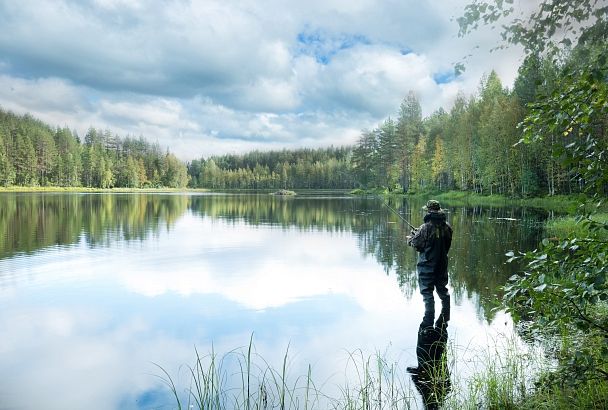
(476,146)
(301,168)
(473,147)
(34,154)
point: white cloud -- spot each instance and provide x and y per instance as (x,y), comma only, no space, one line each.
(158,112)
(212,77)
(41,96)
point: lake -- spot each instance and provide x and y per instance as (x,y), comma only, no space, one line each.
(97,288)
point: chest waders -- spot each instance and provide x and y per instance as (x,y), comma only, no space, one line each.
(437,278)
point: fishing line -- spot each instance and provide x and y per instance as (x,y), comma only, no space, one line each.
(399,215)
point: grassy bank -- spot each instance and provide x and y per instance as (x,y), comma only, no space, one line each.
(561,227)
(580,378)
(588,395)
(561,203)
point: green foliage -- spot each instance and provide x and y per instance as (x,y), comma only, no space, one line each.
(549,396)
(563,291)
(563,226)
(560,96)
(478,147)
(7,172)
(33,154)
(577,111)
(24,158)
(549,27)
(303,169)
(364,160)
(421,166)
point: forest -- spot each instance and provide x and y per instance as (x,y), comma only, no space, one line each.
(34,154)
(482,144)
(321,168)
(486,143)
(478,145)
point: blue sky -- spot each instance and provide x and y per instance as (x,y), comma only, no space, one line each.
(212,77)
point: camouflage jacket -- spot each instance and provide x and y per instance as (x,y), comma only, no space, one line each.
(432,240)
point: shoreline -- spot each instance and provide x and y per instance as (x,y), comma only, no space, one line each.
(568,204)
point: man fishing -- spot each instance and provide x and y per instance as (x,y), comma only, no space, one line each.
(432,241)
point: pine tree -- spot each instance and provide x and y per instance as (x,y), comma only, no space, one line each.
(409,130)
(25,158)
(7,172)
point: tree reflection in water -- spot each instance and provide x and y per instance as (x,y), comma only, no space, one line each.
(35,221)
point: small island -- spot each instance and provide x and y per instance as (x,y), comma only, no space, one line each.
(283,192)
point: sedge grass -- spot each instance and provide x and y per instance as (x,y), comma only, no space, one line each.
(563,227)
(501,377)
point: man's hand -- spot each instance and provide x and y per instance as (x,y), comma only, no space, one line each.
(408,238)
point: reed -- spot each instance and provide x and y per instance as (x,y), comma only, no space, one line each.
(501,377)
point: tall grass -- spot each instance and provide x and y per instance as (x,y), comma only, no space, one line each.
(559,203)
(500,377)
(241,379)
(562,227)
(568,204)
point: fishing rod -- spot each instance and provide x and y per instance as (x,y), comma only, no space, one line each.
(399,215)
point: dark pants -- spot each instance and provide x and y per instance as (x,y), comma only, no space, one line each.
(429,281)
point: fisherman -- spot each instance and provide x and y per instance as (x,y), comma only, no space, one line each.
(432,241)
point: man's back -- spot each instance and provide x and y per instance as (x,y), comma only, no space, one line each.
(433,241)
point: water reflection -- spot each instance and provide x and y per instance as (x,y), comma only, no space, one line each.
(432,376)
(94,287)
(31,222)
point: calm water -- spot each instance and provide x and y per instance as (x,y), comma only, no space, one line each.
(94,288)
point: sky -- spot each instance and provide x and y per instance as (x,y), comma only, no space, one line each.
(214,77)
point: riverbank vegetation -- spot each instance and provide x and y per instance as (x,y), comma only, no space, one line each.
(566,204)
(561,296)
(497,378)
